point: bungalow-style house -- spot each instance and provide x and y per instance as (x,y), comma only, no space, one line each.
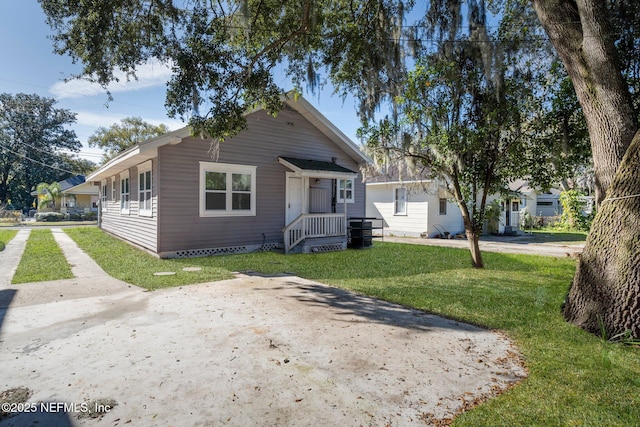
(289,182)
(80,198)
(535,201)
(76,195)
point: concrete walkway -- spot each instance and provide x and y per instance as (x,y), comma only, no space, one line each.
(253,350)
(10,257)
(90,280)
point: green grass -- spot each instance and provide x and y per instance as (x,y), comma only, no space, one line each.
(575,379)
(6,236)
(137,267)
(42,260)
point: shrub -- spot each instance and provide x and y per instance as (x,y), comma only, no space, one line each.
(527,220)
(492,215)
(9,214)
(572,206)
(49,216)
(90,216)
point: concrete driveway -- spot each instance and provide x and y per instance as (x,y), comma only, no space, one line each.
(263,351)
(513,245)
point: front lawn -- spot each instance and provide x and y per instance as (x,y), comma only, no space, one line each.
(42,260)
(576,379)
(6,236)
(137,267)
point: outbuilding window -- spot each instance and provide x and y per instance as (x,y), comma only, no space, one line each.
(400,201)
(443,206)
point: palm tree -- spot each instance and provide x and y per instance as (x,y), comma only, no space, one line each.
(48,193)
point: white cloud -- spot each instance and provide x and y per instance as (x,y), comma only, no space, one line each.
(94,120)
(86,118)
(149,74)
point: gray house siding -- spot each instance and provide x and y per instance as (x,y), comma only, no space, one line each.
(138,229)
(289,134)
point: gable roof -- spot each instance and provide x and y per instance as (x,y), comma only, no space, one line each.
(65,184)
(71,182)
(394,173)
(149,149)
(86,187)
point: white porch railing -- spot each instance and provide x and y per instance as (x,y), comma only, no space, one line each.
(314,225)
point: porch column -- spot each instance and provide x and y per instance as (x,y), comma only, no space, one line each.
(344,202)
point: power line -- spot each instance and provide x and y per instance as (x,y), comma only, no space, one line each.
(35,161)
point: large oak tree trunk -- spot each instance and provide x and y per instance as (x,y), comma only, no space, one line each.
(581,33)
(606,287)
(474,247)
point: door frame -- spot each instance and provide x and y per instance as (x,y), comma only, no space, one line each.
(304,181)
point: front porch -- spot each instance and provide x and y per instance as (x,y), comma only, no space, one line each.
(317,197)
(316,233)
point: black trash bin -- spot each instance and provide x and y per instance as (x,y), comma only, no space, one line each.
(361,234)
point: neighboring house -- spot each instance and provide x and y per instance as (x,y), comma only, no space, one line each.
(80,198)
(76,195)
(421,207)
(535,201)
(290,181)
(412,207)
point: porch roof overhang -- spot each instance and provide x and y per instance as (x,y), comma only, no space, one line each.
(317,168)
(84,188)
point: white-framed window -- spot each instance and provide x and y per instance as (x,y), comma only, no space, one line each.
(345,189)
(144,189)
(103,195)
(227,189)
(443,206)
(114,189)
(399,201)
(124,192)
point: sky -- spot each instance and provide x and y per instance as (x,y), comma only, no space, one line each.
(28,65)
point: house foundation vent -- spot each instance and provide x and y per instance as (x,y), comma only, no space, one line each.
(324,248)
(268,247)
(191,253)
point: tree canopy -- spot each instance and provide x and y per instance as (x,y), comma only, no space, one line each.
(118,137)
(32,130)
(223,54)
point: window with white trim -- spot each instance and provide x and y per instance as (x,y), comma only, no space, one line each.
(227,189)
(345,189)
(399,201)
(103,195)
(124,192)
(144,189)
(114,189)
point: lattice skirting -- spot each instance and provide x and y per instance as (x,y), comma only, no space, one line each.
(229,250)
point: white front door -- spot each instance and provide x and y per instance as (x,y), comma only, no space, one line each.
(294,198)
